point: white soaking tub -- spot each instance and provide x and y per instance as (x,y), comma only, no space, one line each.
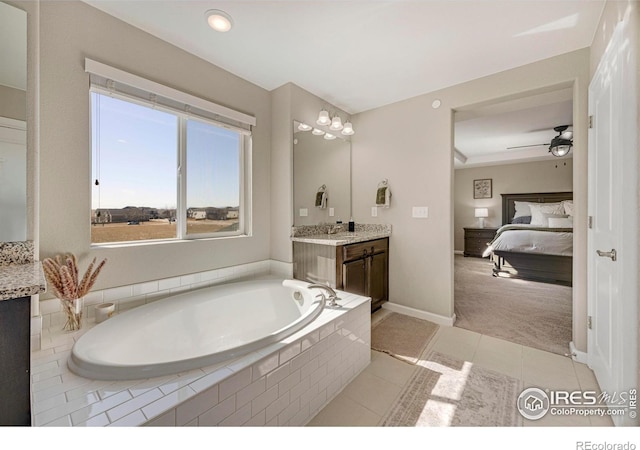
(194,329)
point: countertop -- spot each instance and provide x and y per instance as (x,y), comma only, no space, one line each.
(342,238)
(20,275)
(21,280)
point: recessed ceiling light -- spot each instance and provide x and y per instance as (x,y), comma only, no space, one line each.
(219,20)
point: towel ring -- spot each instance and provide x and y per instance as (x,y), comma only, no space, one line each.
(383,183)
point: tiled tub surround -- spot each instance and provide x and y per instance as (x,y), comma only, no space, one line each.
(319,234)
(286,383)
(130,296)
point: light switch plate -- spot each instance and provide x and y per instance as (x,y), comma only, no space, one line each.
(304,212)
(331,212)
(374,211)
(420,212)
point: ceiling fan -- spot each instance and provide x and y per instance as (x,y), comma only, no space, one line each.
(559,145)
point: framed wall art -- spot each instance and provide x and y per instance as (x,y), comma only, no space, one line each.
(482,188)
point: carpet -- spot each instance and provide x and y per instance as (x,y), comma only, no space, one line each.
(403,337)
(445,391)
(530,313)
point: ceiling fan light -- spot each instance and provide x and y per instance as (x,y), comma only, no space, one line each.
(336,123)
(347,130)
(323,118)
(568,135)
(560,147)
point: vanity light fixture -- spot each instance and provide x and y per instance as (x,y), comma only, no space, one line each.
(347,130)
(329,136)
(317,132)
(304,127)
(219,20)
(336,123)
(323,118)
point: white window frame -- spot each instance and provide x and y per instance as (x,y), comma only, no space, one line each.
(244,207)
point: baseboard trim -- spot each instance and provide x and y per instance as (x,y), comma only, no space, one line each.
(420,314)
(577,355)
(458,252)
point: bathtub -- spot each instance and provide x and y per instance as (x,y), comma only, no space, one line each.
(194,329)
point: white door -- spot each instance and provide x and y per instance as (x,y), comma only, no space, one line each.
(612,237)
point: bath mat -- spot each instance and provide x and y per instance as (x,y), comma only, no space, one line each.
(445,391)
(403,337)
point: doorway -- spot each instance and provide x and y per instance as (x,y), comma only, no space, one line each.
(505,144)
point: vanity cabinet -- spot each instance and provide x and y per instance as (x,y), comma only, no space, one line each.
(364,270)
(15,402)
(360,268)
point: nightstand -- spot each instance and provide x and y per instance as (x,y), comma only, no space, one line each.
(476,240)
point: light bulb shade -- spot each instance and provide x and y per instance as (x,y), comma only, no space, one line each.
(317,132)
(336,123)
(347,129)
(219,20)
(323,118)
(304,127)
(329,136)
(482,212)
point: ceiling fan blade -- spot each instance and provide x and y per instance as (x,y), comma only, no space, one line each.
(525,146)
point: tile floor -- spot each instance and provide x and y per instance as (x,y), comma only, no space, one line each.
(385,376)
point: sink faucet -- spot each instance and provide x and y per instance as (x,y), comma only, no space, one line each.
(333,296)
(333,229)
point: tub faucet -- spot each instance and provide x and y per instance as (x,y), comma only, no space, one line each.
(333,296)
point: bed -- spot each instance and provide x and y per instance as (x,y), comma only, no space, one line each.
(541,250)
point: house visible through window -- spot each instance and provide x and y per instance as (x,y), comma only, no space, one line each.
(159,174)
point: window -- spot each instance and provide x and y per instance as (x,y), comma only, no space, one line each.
(161,174)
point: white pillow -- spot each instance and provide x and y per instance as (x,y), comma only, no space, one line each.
(568,207)
(538,217)
(522,208)
(561,222)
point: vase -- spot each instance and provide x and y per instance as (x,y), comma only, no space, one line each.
(73,310)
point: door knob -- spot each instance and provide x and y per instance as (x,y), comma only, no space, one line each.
(611,254)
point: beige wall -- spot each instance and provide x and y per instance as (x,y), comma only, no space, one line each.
(410,143)
(289,103)
(538,176)
(13,103)
(71,31)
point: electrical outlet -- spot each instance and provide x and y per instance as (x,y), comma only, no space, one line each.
(374,211)
(332,212)
(304,212)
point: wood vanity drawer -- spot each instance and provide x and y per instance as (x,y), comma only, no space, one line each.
(356,251)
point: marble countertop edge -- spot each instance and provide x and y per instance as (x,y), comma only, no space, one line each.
(21,280)
(341,238)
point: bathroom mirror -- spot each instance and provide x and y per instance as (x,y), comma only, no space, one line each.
(13,141)
(320,162)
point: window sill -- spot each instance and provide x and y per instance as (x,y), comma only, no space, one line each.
(164,241)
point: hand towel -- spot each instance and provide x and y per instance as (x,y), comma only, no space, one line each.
(321,199)
(383,195)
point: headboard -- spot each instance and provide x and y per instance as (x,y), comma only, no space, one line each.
(509,207)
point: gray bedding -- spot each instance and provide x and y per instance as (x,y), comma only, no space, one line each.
(527,239)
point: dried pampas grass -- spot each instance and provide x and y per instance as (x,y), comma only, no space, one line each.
(62,274)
